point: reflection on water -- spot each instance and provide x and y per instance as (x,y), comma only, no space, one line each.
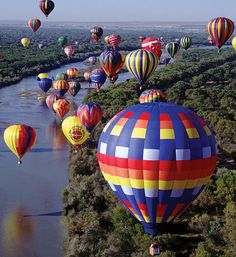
(18,234)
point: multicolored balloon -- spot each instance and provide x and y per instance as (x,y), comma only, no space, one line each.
(50,100)
(141,63)
(61,107)
(74,131)
(62,76)
(185,42)
(92,60)
(111,62)
(87,76)
(45,84)
(90,114)
(62,41)
(96,33)
(72,73)
(42,76)
(220,29)
(98,77)
(46,6)
(34,24)
(114,40)
(74,88)
(172,49)
(25,42)
(19,139)
(69,51)
(61,87)
(153,45)
(157,158)
(152,95)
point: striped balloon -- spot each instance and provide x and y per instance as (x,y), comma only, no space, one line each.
(61,107)
(112,62)
(46,6)
(61,87)
(185,42)
(50,100)
(19,139)
(98,77)
(152,95)
(90,114)
(34,24)
(220,29)
(72,73)
(157,158)
(74,88)
(141,63)
(114,40)
(172,49)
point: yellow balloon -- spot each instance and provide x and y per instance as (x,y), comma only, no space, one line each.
(43,76)
(74,131)
(234,43)
(25,42)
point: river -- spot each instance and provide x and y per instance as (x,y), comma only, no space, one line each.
(33,189)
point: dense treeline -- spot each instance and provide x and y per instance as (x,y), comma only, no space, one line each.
(99,226)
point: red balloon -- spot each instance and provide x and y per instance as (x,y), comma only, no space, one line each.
(153,45)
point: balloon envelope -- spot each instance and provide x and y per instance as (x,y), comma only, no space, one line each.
(157,158)
(74,88)
(46,6)
(34,24)
(152,95)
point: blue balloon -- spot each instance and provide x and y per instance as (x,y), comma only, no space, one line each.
(45,84)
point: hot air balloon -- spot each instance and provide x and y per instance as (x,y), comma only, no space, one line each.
(96,33)
(92,60)
(234,43)
(114,78)
(50,100)
(62,76)
(40,45)
(106,40)
(141,38)
(153,45)
(111,62)
(185,42)
(141,63)
(34,24)
(72,73)
(90,114)
(45,84)
(25,42)
(220,29)
(87,75)
(61,107)
(172,49)
(98,77)
(19,139)
(210,40)
(114,40)
(77,42)
(62,41)
(74,88)
(152,95)
(74,131)
(69,51)
(157,158)
(46,6)
(61,87)
(42,76)
(165,60)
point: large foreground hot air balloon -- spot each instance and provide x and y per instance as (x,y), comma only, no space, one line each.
(25,42)
(96,33)
(141,63)
(98,77)
(153,45)
(152,95)
(74,131)
(34,24)
(19,139)
(111,62)
(90,114)
(185,42)
(172,49)
(61,87)
(46,6)
(220,29)
(157,158)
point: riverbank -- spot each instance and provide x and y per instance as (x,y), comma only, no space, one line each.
(99,226)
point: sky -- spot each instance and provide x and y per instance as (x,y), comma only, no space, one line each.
(121,10)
